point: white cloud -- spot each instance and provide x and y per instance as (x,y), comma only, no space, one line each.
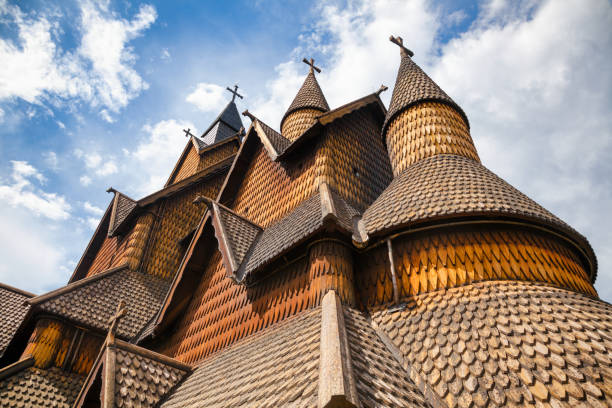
(99,72)
(207,97)
(22,193)
(51,160)
(1,115)
(92,222)
(165,55)
(156,153)
(100,166)
(85,180)
(92,209)
(60,124)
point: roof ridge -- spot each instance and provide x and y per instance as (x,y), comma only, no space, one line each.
(153,355)
(16,290)
(75,285)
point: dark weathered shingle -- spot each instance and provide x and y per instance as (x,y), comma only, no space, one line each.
(35,387)
(412,86)
(92,301)
(240,233)
(505,343)
(225,125)
(278,367)
(13,309)
(123,206)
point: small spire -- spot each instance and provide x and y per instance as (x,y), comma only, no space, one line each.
(114,322)
(234,92)
(187,132)
(311,64)
(400,42)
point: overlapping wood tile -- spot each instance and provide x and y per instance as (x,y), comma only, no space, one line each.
(506,343)
(13,309)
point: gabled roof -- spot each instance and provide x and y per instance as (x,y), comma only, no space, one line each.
(122,208)
(13,309)
(328,356)
(246,247)
(413,86)
(125,375)
(92,300)
(22,385)
(450,186)
(225,125)
(310,95)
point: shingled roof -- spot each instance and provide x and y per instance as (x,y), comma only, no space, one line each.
(14,309)
(412,86)
(310,95)
(506,343)
(122,208)
(131,376)
(444,186)
(91,301)
(224,126)
(247,247)
(308,360)
(22,385)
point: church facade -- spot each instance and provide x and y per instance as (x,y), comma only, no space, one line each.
(360,257)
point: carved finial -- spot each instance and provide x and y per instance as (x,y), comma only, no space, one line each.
(240,131)
(114,322)
(234,92)
(111,190)
(403,50)
(381,90)
(310,62)
(202,199)
(187,132)
(249,114)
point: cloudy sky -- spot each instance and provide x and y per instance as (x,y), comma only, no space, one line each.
(95,94)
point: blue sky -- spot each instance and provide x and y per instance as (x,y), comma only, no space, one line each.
(95,94)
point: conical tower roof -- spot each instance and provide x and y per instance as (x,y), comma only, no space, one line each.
(310,95)
(413,86)
(225,125)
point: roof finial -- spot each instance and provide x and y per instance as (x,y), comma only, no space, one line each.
(382,89)
(312,65)
(114,322)
(249,114)
(111,190)
(187,132)
(234,92)
(403,50)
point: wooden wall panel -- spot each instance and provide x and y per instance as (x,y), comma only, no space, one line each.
(110,254)
(444,259)
(297,122)
(189,165)
(271,190)
(357,165)
(424,130)
(178,217)
(215,155)
(46,342)
(222,312)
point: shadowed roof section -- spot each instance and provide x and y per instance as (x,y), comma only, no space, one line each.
(450,186)
(122,208)
(310,95)
(225,125)
(14,309)
(413,86)
(130,376)
(91,301)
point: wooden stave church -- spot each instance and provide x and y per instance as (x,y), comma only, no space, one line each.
(361,257)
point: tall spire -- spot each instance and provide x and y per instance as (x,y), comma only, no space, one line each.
(310,95)
(413,86)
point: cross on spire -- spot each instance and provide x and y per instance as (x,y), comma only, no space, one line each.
(114,321)
(400,42)
(312,65)
(234,92)
(187,132)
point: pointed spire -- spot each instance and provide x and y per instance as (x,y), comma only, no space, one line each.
(413,86)
(310,94)
(227,124)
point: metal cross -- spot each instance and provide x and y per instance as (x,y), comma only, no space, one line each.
(114,321)
(312,65)
(234,92)
(403,50)
(187,132)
